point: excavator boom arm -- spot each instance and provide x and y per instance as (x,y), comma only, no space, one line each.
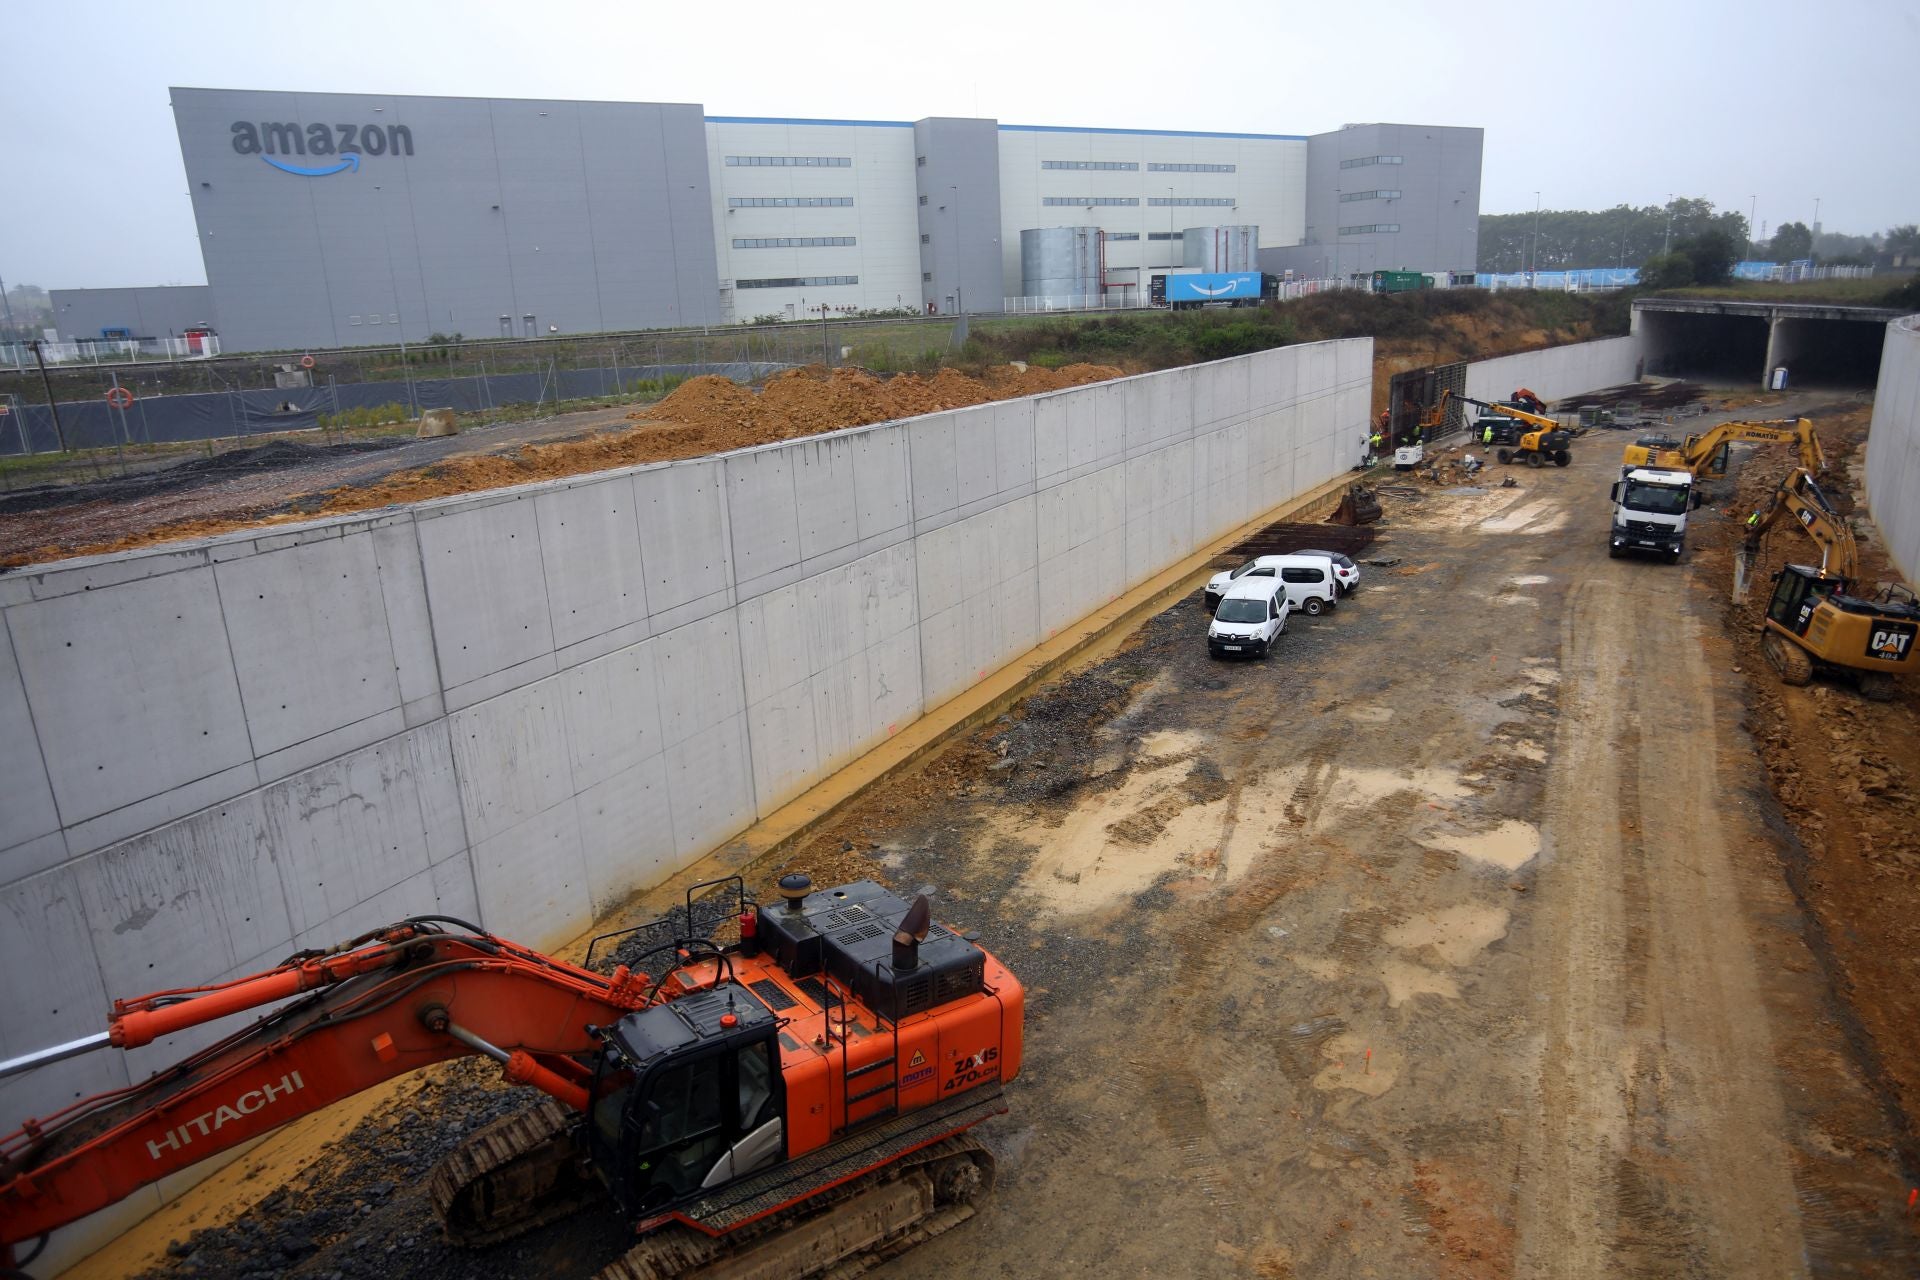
(1509,411)
(1800,496)
(410,998)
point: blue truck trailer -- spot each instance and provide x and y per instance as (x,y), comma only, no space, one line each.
(1202,289)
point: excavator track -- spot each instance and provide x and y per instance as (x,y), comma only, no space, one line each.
(836,1234)
(1787,658)
(511,1176)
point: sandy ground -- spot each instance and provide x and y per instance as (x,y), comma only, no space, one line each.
(1460,938)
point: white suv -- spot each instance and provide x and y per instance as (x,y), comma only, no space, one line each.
(1253,612)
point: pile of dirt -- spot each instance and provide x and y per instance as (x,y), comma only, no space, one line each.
(815,399)
(1845,772)
(704,415)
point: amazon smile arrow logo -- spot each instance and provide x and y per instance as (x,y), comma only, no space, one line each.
(346,162)
(325,148)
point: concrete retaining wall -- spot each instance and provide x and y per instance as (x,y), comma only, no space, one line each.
(1893,446)
(520,707)
(1558,372)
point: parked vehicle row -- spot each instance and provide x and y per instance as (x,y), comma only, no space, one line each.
(1250,604)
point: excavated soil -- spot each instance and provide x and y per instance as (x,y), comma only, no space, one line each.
(704,415)
(1845,772)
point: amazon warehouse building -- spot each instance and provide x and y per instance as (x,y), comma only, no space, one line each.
(331,220)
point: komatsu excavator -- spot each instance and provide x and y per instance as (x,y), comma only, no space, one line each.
(1705,452)
(1813,620)
(768,1107)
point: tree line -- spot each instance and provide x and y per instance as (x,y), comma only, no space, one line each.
(1635,236)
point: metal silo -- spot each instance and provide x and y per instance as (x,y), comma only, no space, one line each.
(1221,248)
(1060,262)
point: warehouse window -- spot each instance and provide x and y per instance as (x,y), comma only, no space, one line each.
(1350,197)
(796,282)
(1166,235)
(921,161)
(1211,202)
(1364,161)
(790,202)
(1371,228)
(1129,166)
(1090,200)
(790,162)
(926,239)
(1192,168)
(792,242)
(923,199)
(926,277)
(1123,235)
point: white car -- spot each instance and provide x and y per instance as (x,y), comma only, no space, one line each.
(1252,613)
(1311,585)
(1345,572)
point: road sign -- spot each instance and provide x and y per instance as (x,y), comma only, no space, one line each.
(119,397)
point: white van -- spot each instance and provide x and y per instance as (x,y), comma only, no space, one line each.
(1311,585)
(1251,614)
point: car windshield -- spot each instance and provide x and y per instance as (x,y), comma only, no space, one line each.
(1242,611)
(1661,499)
(1243,568)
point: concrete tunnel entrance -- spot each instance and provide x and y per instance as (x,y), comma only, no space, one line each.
(1743,342)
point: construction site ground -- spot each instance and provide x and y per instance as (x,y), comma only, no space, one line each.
(1510,920)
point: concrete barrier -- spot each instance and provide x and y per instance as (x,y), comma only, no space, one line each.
(1558,372)
(1893,446)
(520,707)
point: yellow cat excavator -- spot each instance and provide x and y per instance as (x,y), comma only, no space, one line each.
(1814,621)
(1705,452)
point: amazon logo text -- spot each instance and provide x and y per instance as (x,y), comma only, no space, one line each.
(347,141)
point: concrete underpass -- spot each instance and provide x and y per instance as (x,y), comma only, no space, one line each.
(1722,341)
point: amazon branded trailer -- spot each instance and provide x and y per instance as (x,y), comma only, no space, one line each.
(1182,290)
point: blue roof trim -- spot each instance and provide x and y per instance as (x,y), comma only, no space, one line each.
(871,124)
(1153,133)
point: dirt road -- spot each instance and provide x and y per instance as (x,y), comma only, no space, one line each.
(1451,941)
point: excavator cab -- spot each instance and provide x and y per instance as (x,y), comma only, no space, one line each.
(1797,592)
(688,1096)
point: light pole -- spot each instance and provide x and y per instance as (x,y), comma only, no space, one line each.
(1751,215)
(11,335)
(959,287)
(1533,275)
(393,283)
(1666,243)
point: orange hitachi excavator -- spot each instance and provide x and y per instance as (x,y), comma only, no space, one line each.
(774,1105)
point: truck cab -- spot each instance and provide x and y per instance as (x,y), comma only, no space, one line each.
(1650,506)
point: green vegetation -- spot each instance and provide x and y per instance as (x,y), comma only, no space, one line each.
(378,416)
(1624,235)
(1161,339)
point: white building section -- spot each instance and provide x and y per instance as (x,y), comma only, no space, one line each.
(813,213)
(1144,188)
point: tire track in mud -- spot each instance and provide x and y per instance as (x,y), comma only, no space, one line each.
(1655,1147)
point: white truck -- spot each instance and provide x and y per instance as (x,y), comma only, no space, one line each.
(1650,506)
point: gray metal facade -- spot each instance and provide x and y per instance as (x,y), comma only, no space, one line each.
(319,213)
(162,311)
(1424,180)
(957,174)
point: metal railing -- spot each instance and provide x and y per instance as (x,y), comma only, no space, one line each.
(1131,299)
(19,355)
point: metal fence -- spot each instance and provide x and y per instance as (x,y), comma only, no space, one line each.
(1130,298)
(110,351)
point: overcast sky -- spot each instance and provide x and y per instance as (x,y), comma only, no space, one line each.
(1588,104)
